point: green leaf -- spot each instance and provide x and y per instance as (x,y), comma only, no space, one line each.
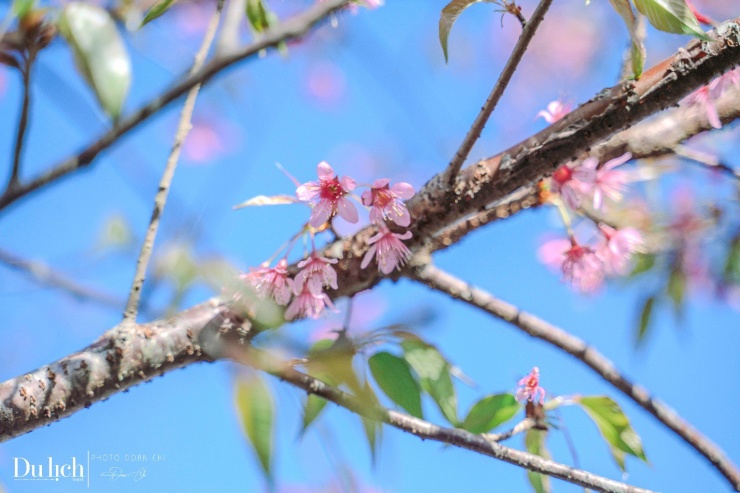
(645,317)
(372,430)
(672,16)
(260,18)
(614,427)
(643,262)
(22,8)
(158,9)
(490,412)
(255,406)
(637,53)
(448,17)
(312,409)
(731,271)
(534,441)
(676,289)
(393,375)
(99,52)
(434,375)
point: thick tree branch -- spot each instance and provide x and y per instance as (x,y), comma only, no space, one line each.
(538,328)
(498,89)
(426,430)
(293,28)
(183,128)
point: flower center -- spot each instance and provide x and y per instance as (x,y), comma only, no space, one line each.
(332,190)
(563,174)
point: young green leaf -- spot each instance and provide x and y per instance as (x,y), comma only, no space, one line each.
(255,406)
(614,427)
(394,377)
(373,431)
(643,263)
(731,270)
(99,52)
(158,9)
(22,8)
(534,441)
(645,317)
(490,412)
(434,375)
(637,53)
(672,16)
(448,17)
(259,17)
(313,407)
(676,289)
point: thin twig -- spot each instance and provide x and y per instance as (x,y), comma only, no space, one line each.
(521,427)
(426,430)
(43,274)
(289,30)
(183,128)
(706,160)
(498,89)
(441,281)
(13,182)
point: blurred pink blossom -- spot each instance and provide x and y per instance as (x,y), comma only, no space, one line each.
(608,181)
(328,196)
(307,304)
(705,96)
(555,111)
(317,273)
(272,282)
(578,263)
(387,202)
(326,83)
(572,183)
(388,249)
(617,247)
(529,388)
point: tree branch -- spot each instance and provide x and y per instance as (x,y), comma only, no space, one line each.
(498,89)
(25,70)
(441,281)
(426,430)
(291,29)
(183,128)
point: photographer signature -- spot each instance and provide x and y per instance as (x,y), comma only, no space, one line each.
(116,473)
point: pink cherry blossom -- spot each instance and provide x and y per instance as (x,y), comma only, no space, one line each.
(705,96)
(386,202)
(388,249)
(572,183)
(555,111)
(307,304)
(616,248)
(529,388)
(578,263)
(328,196)
(272,282)
(317,273)
(608,181)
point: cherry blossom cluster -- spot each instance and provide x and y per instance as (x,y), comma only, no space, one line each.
(329,196)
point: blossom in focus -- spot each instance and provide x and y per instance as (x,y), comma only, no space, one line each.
(608,181)
(272,282)
(388,249)
(572,183)
(555,111)
(316,273)
(307,304)
(616,248)
(529,388)
(387,203)
(328,196)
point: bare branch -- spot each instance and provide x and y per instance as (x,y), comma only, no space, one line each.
(540,329)
(43,274)
(25,70)
(291,29)
(183,128)
(498,89)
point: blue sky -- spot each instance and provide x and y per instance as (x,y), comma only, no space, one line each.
(389,107)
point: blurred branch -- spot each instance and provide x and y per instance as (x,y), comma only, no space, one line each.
(498,89)
(426,430)
(43,274)
(706,160)
(183,128)
(443,282)
(25,70)
(291,29)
